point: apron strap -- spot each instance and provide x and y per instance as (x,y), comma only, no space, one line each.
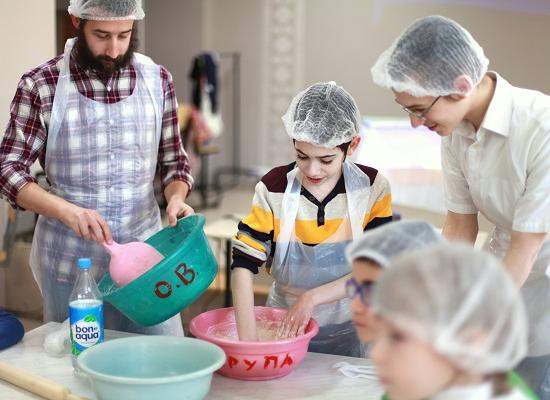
(61,90)
(289,209)
(357,197)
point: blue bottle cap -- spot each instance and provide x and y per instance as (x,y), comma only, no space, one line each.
(84,263)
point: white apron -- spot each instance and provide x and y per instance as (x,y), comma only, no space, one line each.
(297,267)
(102,157)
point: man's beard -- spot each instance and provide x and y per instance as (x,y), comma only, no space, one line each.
(103,64)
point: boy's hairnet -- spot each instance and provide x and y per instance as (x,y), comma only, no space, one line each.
(461,301)
(106,10)
(428,56)
(324,114)
(390,240)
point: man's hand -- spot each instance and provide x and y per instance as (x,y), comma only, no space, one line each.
(177,208)
(87,224)
(175,194)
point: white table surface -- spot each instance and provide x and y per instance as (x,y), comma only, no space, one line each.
(313,379)
(224,228)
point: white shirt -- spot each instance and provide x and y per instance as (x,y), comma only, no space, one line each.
(503,171)
(483,391)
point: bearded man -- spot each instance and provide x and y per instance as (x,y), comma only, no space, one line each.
(102,121)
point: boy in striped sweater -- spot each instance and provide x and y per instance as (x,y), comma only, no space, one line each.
(303,216)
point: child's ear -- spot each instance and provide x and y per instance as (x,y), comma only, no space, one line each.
(353,145)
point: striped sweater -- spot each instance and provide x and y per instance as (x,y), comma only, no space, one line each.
(316,221)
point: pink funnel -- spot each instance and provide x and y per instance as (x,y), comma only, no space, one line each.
(130,260)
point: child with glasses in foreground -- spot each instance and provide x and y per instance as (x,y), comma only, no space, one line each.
(450,324)
(372,253)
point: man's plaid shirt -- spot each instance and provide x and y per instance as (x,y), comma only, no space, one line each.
(27,131)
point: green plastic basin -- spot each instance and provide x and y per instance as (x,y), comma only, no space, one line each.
(188,269)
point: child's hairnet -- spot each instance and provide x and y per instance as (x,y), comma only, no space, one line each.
(324,114)
(460,300)
(428,56)
(106,10)
(390,240)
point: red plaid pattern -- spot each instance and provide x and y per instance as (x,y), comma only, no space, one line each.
(27,131)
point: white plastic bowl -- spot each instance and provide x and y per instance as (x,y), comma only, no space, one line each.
(151,367)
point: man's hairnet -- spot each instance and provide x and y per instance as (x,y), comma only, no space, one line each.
(461,301)
(324,114)
(390,240)
(428,56)
(106,10)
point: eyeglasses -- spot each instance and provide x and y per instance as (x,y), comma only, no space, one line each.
(363,290)
(420,114)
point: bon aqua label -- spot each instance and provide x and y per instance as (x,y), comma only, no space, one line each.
(87,330)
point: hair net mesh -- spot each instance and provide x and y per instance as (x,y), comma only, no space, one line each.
(390,240)
(461,301)
(324,114)
(106,10)
(428,56)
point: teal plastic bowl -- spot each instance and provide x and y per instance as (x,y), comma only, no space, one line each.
(151,367)
(188,269)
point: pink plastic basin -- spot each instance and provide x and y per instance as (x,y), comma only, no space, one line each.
(252,360)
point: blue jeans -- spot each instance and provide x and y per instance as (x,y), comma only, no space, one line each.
(56,308)
(536,373)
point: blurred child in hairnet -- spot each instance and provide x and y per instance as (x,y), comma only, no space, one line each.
(450,325)
(303,216)
(372,253)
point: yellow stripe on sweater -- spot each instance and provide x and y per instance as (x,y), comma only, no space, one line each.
(260,220)
(251,242)
(380,209)
(307,231)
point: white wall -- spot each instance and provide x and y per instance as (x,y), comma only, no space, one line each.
(178,30)
(27,39)
(173,35)
(514,40)
(236,26)
(338,41)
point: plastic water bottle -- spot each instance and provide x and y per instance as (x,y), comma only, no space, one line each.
(85,311)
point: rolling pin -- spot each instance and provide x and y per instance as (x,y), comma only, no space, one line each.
(36,384)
